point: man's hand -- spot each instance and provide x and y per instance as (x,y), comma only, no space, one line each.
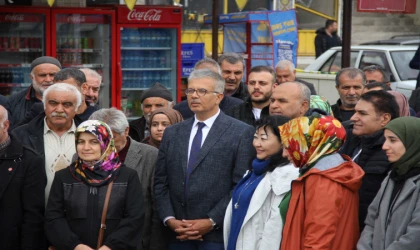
(175,224)
(82,247)
(196,231)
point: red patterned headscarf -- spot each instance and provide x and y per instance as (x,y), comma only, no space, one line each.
(307,139)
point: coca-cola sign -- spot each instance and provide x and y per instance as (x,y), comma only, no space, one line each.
(16,17)
(76,19)
(150,15)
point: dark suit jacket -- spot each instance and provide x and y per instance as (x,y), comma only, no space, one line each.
(142,158)
(224,157)
(227,103)
(22,184)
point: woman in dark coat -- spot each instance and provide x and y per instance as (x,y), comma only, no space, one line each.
(77,197)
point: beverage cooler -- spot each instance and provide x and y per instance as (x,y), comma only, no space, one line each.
(148,43)
(83,38)
(22,39)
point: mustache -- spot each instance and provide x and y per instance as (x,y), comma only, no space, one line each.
(57,114)
(230,81)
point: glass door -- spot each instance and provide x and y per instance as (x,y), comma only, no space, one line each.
(148,56)
(21,41)
(84,41)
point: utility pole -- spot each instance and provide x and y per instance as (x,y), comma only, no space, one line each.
(215,30)
(345,59)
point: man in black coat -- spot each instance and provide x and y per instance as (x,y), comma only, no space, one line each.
(326,38)
(43,70)
(261,81)
(364,143)
(227,102)
(233,67)
(22,183)
(157,96)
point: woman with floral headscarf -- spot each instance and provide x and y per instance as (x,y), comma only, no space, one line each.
(321,210)
(76,201)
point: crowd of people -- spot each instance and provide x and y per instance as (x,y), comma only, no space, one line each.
(264,164)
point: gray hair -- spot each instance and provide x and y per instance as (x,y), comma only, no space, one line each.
(232,58)
(386,76)
(350,72)
(219,82)
(210,62)
(305,92)
(63,87)
(115,119)
(4,118)
(92,73)
(285,64)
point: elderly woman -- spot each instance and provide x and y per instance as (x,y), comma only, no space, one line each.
(394,215)
(252,219)
(321,210)
(77,197)
(319,102)
(158,121)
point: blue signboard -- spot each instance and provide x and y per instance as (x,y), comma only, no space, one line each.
(285,35)
(234,38)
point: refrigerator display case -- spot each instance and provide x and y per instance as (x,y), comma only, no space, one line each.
(83,38)
(148,45)
(22,39)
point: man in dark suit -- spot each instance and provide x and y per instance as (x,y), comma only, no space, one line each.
(200,161)
(22,183)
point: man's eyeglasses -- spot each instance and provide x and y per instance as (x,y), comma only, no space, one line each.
(200,92)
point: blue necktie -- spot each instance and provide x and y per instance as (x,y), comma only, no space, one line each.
(195,151)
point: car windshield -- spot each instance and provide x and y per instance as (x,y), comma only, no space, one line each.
(401,60)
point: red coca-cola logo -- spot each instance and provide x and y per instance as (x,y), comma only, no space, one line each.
(76,19)
(150,15)
(14,17)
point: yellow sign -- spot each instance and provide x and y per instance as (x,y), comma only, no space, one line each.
(50,2)
(130,3)
(241,4)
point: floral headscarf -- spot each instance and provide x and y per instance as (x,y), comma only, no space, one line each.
(319,102)
(307,139)
(106,168)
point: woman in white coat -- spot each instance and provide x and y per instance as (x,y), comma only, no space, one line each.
(252,220)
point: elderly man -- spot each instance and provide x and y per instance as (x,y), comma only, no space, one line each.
(155,97)
(233,67)
(51,133)
(142,158)
(227,102)
(199,163)
(286,72)
(376,73)
(71,76)
(292,99)
(92,87)
(43,70)
(22,184)
(261,81)
(364,143)
(349,83)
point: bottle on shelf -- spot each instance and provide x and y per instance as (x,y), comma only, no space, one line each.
(129,110)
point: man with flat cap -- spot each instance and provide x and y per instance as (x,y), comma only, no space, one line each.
(43,70)
(155,97)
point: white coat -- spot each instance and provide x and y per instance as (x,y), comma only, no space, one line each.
(262,226)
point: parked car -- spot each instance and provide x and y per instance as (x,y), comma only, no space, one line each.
(397,40)
(393,58)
